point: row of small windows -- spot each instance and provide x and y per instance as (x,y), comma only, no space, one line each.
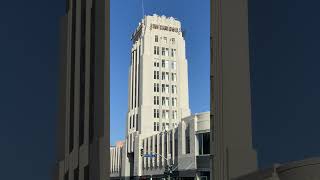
(165,51)
(165,64)
(165,88)
(165,114)
(165,101)
(164,76)
(164,39)
(164,126)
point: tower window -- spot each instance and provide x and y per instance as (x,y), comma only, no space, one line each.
(174,89)
(156,74)
(165,39)
(167,88)
(174,114)
(156,38)
(173,65)
(156,100)
(174,101)
(174,77)
(156,113)
(156,87)
(167,52)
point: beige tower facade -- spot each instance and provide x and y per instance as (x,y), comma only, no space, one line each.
(158,83)
(158,77)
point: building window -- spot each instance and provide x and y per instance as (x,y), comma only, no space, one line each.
(173,41)
(156,74)
(157,126)
(165,39)
(174,89)
(163,63)
(167,88)
(154,126)
(156,50)
(173,52)
(165,101)
(174,114)
(160,145)
(167,51)
(173,65)
(156,113)
(170,144)
(156,100)
(167,76)
(156,87)
(165,114)
(133,121)
(204,143)
(174,77)
(174,102)
(176,143)
(130,123)
(156,64)
(163,51)
(165,146)
(155,147)
(156,38)
(187,131)
(163,89)
(137,117)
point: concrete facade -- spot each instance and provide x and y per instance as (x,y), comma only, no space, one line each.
(230,86)
(83,114)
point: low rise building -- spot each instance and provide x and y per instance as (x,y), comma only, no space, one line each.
(185,147)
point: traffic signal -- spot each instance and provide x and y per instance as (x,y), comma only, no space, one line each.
(141,152)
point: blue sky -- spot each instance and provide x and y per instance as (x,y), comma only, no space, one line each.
(125,16)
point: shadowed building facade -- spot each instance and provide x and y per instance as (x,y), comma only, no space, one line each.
(231,137)
(84,94)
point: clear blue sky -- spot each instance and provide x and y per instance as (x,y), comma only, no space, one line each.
(125,16)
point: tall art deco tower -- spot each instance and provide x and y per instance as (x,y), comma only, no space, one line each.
(158,81)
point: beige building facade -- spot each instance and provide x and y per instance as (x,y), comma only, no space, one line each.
(159,119)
